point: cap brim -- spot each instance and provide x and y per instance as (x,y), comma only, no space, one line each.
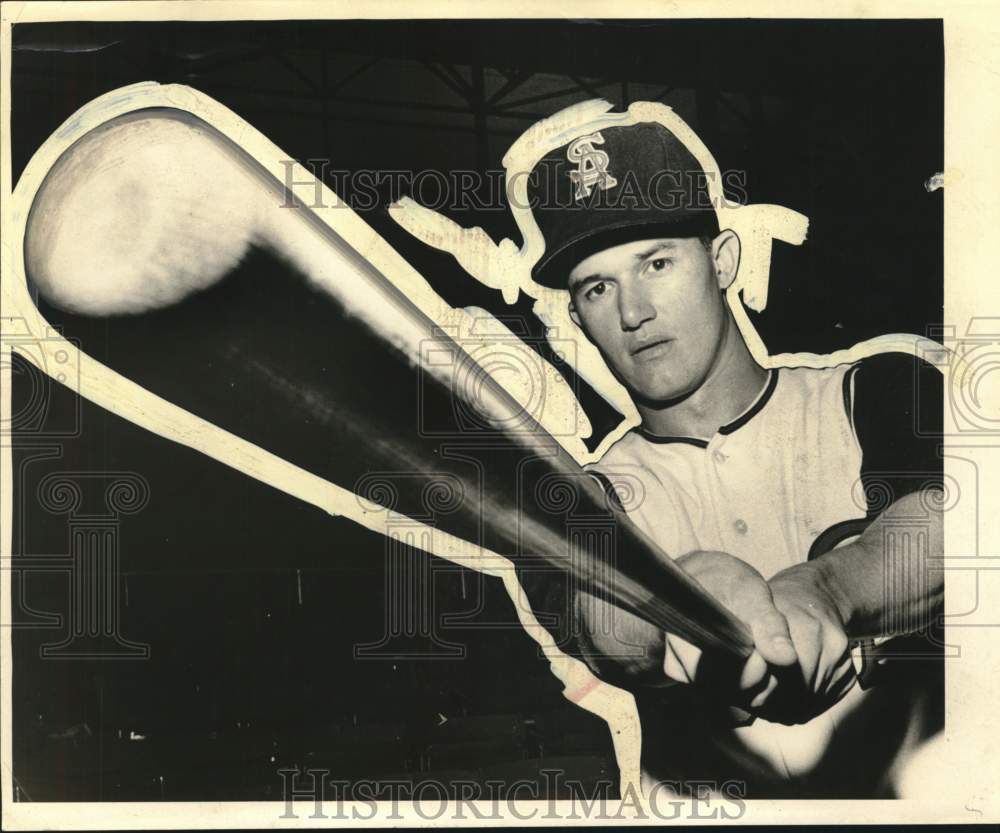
(553,269)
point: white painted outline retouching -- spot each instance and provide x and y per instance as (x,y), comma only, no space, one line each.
(502,267)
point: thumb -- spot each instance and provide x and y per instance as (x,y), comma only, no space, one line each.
(752,602)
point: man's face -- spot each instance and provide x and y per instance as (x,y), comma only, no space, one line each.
(655,311)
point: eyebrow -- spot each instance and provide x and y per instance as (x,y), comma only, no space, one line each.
(658,246)
(662,244)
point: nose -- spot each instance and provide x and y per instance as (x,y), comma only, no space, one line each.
(634,308)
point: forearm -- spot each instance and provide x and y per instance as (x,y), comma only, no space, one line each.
(881,584)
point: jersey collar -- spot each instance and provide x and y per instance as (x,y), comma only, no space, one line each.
(729,427)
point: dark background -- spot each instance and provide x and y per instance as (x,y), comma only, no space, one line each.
(252,603)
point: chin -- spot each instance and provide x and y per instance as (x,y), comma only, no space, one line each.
(662,394)
(654,385)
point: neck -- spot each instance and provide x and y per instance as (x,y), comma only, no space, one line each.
(733,383)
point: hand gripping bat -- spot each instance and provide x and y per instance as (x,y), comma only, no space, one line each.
(140,223)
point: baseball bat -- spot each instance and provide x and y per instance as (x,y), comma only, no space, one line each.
(139,229)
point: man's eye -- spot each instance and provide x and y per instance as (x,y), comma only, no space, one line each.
(596,291)
(659,264)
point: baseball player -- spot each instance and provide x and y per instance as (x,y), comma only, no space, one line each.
(751,477)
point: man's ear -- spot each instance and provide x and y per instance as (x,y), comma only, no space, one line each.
(726,256)
(574,314)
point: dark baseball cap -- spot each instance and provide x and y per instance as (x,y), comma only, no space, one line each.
(613,186)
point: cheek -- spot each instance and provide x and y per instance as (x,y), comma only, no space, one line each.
(698,317)
(601,326)
(686,310)
(707,316)
(703,298)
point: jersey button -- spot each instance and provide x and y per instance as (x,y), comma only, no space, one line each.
(740,526)
(719,456)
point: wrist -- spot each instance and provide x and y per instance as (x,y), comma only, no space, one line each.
(813,582)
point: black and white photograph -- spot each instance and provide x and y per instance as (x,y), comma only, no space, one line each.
(468,415)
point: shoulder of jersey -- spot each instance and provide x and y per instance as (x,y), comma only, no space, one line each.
(813,379)
(628,450)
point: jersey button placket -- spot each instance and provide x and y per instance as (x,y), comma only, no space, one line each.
(717,463)
(721,458)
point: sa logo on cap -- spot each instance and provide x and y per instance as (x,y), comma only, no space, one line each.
(592,165)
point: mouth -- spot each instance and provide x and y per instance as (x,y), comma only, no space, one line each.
(651,349)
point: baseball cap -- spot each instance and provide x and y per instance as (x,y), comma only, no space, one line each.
(612,186)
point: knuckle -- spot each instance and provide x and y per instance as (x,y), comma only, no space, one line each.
(813,626)
(839,643)
(802,629)
(774,620)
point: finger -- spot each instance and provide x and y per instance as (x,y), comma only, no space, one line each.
(752,602)
(835,655)
(837,692)
(842,680)
(761,698)
(822,648)
(808,638)
(680,659)
(786,699)
(754,673)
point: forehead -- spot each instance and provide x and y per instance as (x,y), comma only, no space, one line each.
(614,258)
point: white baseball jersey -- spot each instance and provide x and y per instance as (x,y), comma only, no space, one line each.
(817,447)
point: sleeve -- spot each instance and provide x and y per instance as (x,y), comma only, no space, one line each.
(896,406)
